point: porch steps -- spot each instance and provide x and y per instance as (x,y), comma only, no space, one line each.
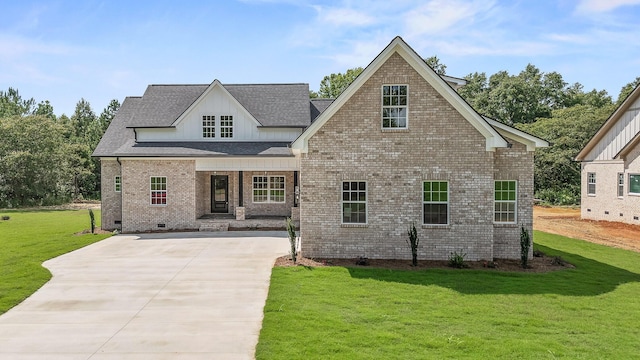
(217,226)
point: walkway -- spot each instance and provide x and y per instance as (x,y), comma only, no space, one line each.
(152,296)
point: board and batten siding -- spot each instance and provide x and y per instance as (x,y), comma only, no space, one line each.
(218,103)
(618,136)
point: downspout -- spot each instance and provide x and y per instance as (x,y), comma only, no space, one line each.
(121,191)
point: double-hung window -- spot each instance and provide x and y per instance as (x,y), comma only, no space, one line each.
(268,189)
(118,183)
(505,195)
(634,184)
(435,203)
(354,202)
(620,184)
(591,183)
(158,190)
(394,106)
(208,126)
(226,126)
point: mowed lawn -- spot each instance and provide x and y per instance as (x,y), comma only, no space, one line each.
(28,239)
(590,312)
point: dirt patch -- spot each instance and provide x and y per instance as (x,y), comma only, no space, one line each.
(81,205)
(567,222)
(97,230)
(538,264)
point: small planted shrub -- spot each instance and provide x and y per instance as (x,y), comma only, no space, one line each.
(456,260)
(363,261)
(93,221)
(525,244)
(6,217)
(291,230)
(558,261)
(413,242)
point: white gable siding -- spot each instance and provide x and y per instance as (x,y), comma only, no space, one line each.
(219,103)
(618,136)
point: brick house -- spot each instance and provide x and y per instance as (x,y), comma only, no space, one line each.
(610,171)
(398,146)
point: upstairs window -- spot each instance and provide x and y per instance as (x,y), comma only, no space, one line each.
(591,183)
(226,126)
(158,190)
(505,196)
(118,184)
(394,106)
(208,126)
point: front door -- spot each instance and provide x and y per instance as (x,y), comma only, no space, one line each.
(219,194)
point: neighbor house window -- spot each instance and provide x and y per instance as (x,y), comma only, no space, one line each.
(394,106)
(505,195)
(118,184)
(226,126)
(354,202)
(620,184)
(435,203)
(268,189)
(158,190)
(208,126)
(591,183)
(634,184)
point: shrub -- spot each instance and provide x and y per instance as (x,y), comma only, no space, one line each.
(559,196)
(413,244)
(525,244)
(93,221)
(456,260)
(291,229)
(6,217)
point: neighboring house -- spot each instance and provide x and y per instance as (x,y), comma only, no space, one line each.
(610,175)
(398,146)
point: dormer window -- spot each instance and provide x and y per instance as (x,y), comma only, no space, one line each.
(394,106)
(226,126)
(208,126)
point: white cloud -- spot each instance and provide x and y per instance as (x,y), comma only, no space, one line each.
(343,16)
(598,6)
(14,47)
(439,16)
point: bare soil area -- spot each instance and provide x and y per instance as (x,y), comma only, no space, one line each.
(567,222)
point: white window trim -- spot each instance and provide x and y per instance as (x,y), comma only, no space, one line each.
(515,204)
(620,186)
(594,184)
(382,107)
(269,201)
(214,126)
(117,180)
(436,202)
(232,127)
(166,191)
(365,202)
(629,187)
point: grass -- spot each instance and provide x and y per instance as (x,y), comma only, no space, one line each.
(28,239)
(590,312)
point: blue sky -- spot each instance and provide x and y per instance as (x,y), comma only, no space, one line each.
(62,51)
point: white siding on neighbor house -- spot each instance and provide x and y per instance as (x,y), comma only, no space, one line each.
(618,136)
(248,164)
(218,103)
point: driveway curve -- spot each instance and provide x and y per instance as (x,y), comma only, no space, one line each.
(152,296)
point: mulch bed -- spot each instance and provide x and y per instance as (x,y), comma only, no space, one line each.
(539,264)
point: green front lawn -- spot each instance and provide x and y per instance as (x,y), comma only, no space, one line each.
(590,312)
(28,239)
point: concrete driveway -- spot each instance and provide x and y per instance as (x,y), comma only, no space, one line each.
(152,296)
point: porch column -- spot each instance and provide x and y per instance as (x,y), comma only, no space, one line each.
(240,212)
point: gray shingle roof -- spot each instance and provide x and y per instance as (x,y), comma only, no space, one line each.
(161,105)
(275,104)
(318,106)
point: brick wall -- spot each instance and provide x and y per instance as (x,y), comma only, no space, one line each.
(180,211)
(111,200)
(605,204)
(270,209)
(438,145)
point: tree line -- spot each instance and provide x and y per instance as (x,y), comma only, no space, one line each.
(45,159)
(542,104)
